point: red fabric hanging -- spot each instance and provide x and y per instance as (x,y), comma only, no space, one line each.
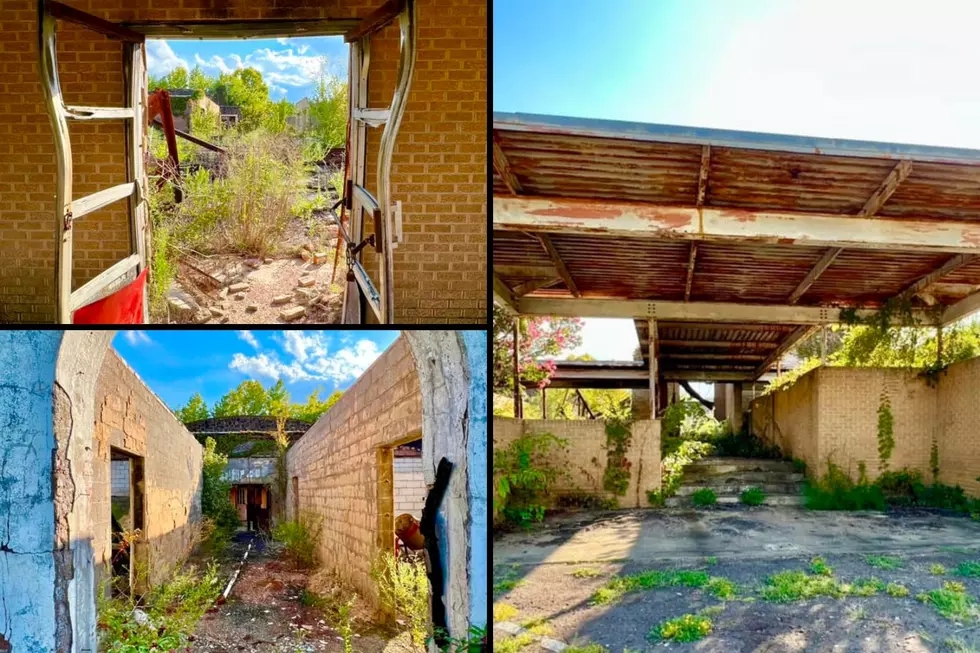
(125,306)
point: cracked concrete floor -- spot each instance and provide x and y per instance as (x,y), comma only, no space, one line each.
(748,544)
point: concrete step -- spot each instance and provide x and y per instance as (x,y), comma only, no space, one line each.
(698,476)
(771,500)
(736,489)
(712,466)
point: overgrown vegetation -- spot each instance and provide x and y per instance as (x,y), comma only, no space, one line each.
(884,562)
(301,539)
(704,497)
(404,591)
(523,476)
(162,619)
(616,478)
(686,628)
(653,579)
(952,602)
(221,515)
(886,431)
(753,496)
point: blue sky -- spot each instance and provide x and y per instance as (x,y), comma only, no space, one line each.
(176,364)
(289,65)
(868,69)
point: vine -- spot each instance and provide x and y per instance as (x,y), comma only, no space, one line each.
(934,460)
(616,478)
(886,431)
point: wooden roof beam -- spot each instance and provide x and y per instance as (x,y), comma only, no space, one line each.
(887,187)
(634,219)
(503,295)
(954,263)
(720,344)
(559,264)
(719,312)
(825,262)
(690,271)
(502,166)
(966,306)
(531,285)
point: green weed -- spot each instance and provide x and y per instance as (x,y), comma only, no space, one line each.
(404,589)
(897,590)
(863,587)
(753,496)
(589,648)
(787,586)
(884,562)
(711,560)
(820,567)
(504,612)
(686,628)
(704,497)
(952,602)
(937,569)
(653,579)
(301,537)
(586,572)
(512,644)
(968,568)
(538,626)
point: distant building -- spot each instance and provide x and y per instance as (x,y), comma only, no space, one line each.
(230,115)
(301,119)
(182,103)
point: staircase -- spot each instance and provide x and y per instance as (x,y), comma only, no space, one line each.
(729,477)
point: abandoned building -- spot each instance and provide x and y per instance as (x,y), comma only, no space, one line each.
(74,230)
(726,249)
(85,444)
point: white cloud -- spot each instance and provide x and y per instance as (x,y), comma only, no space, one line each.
(279,68)
(214,63)
(310,359)
(136,337)
(161,59)
(249,338)
(283,40)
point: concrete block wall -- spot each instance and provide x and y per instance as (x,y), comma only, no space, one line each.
(584,458)
(129,417)
(439,168)
(336,462)
(831,413)
(409,487)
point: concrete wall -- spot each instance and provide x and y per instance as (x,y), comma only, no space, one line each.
(27,574)
(129,417)
(439,168)
(584,459)
(831,413)
(409,486)
(337,462)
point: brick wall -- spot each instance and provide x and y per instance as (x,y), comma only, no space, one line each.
(438,171)
(584,458)
(831,414)
(336,463)
(409,486)
(129,417)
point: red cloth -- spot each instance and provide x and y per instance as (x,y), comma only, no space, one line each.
(125,306)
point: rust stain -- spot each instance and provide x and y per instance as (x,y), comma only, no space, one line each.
(669,219)
(583,213)
(739,215)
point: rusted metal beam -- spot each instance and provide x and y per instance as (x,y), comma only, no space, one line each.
(559,264)
(690,271)
(887,187)
(711,357)
(503,294)
(502,166)
(693,311)
(193,139)
(720,344)
(375,21)
(954,263)
(530,286)
(791,340)
(703,175)
(635,219)
(94,23)
(825,262)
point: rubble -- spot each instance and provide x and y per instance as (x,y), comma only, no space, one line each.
(293,313)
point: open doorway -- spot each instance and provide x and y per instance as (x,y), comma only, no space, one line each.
(127,511)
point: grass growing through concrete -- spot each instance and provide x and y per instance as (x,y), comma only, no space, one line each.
(162,619)
(686,628)
(969,568)
(884,562)
(586,572)
(896,590)
(788,586)
(820,567)
(952,602)
(653,579)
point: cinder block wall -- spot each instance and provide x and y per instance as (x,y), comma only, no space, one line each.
(409,487)
(584,458)
(129,417)
(439,169)
(831,413)
(336,462)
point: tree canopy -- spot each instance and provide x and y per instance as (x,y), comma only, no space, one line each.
(250,398)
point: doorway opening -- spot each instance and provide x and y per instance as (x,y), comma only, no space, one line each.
(127,510)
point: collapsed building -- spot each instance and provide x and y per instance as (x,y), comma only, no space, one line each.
(78,422)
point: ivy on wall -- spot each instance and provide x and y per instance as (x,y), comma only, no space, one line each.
(616,478)
(886,432)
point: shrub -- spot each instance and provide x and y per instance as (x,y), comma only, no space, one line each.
(523,476)
(704,497)
(404,589)
(836,491)
(677,455)
(753,496)
(301,538)
(221,516)
(686,628)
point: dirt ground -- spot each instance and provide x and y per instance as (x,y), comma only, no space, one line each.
(745,545)
(264,614)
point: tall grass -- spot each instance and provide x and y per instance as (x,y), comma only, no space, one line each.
(404,590)
(301,538)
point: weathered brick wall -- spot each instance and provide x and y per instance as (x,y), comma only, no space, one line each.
(584,458)
(336,463)
(129,417)
(959,435)
(439,168)
(409,486)
(832,414)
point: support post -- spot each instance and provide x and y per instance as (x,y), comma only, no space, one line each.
(663,398)
(652,330)
(721,401)
(518,408)
(544,405)
(823,345)
(736,409)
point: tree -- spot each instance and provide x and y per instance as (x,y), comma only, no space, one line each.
(194,410)
(328,112)
(277,115)
(249,398)
(540,337)
(200,81)
(314,406)
(245,89)
(176,78)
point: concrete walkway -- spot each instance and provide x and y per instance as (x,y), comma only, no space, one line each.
(761,532)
